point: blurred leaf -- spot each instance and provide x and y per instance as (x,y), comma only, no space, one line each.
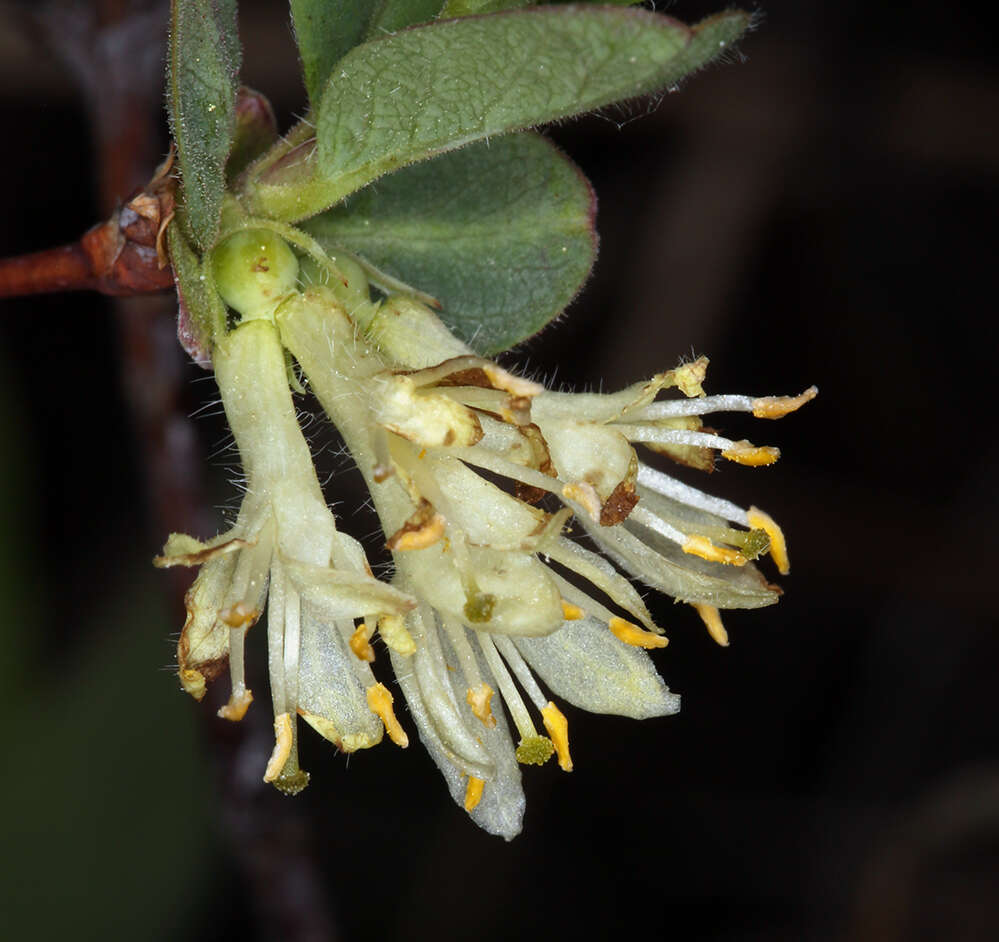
(201,98)
(20,534)
(326,30)
(406,97)
(112,836)
(501,233)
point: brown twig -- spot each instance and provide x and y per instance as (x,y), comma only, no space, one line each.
(122,256)
(115,51)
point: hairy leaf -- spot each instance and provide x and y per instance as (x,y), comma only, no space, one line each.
(408,96)
(393,15)
(326,30)
(501,233)
(475,7)
(201,97)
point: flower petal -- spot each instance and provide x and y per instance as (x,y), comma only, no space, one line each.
(203,648)
(662,564)
(343,594)
(586,665)
(500,810)
(331,698)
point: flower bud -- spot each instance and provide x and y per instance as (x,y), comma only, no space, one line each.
(254,270)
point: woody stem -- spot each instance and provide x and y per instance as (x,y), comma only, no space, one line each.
(67,268)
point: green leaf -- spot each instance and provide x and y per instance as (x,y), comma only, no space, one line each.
(201,98)
(201,315)
(406,97)
(476,7)
(326,30)
(394,15)
(501,233)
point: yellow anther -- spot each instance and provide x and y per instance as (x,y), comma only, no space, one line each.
(638,638)
(360,643)
(193,682)
(697,545)
(775,407)
(754,456)
(478,699)
(284,736)
(571,612)
(759,520)
(473,792)
(712,621)
(237,706)
(380,701)
(586,494)
(239,615)
(421,537)
(558,728)
(534,750)
(394,634)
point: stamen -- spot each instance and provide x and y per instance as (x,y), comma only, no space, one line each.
(697,545)
(359,667)
(558,728)
(283,738)
(571,612)
(521,670)
(670,487)
(239,702)
(589,606)
(669,408)
(478,699)
(275,637)
(712,621)
(631,634)
(360,643)
(647,518)
(754,456)
(489,461)
(532,749)
(458,637)
(395,635)
(292,647)
(775,407)
(240,617)
(380,701)
(597,571)
(759,520)
(656,435)
(473,792)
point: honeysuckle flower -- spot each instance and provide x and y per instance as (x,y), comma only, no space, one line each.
(285,548)
(498,583)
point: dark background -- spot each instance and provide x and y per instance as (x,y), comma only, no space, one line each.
(825,212)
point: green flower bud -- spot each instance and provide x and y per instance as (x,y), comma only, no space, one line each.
(254,270)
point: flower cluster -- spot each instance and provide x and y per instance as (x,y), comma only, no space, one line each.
(477,476)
